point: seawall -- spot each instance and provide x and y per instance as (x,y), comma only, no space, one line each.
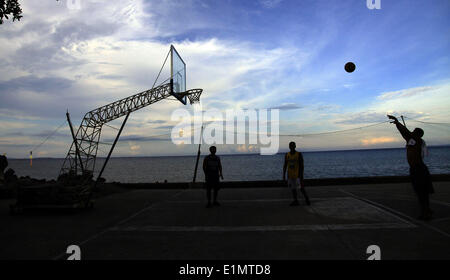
(280,183)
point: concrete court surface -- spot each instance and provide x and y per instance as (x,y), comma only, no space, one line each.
(250,224)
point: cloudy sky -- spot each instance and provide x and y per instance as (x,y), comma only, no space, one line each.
(280,54)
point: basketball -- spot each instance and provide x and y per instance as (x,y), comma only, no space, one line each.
(350,67)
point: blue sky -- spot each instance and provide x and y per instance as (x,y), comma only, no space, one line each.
(244,54)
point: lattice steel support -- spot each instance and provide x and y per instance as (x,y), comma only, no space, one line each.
(88,134)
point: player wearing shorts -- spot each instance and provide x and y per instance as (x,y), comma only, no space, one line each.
(293,164)
(213,172)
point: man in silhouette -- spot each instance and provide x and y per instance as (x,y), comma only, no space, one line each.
(293,163)
(3,165)
(213,171)
(418,171)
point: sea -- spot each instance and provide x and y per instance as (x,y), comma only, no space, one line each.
(246,167)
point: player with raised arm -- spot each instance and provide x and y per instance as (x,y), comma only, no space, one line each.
(418,171)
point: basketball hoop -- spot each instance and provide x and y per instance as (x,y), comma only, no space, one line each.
(193,95)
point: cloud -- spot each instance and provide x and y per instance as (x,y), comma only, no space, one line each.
(269,4)
(287,106)
(245,55)
(52,46)
(374,117)
(377,140)
(43,153)
(165,127)
(14,125)
(247,148)
(110,77)
(328,107)
(43,134)
(428,101)
(140,138)
(135,147)
(36,84)
(156,121)
(405,93)
(105,52)
(48,133)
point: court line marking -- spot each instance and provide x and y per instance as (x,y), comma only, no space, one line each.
(338,237)
(388,209)
(258,200)
(328,227)
(378,207)
(288,199)
(441,219)
(311,207)
(440,202)
(414,198)
(60,256)
(313,227)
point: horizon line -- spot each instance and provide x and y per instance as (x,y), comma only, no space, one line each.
(243,154)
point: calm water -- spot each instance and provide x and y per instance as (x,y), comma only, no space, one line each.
(384,162)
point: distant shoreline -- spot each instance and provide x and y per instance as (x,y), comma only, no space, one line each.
(248,154)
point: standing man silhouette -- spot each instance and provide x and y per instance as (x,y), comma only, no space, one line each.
(3,165)
(418,171)
(293,163)
(213,171)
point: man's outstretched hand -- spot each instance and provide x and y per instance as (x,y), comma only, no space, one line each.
(395,120)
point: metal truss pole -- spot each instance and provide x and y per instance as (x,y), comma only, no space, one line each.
(113,146)
(75,142)
(83,151)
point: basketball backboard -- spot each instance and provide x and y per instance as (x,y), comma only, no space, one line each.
(177,74)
